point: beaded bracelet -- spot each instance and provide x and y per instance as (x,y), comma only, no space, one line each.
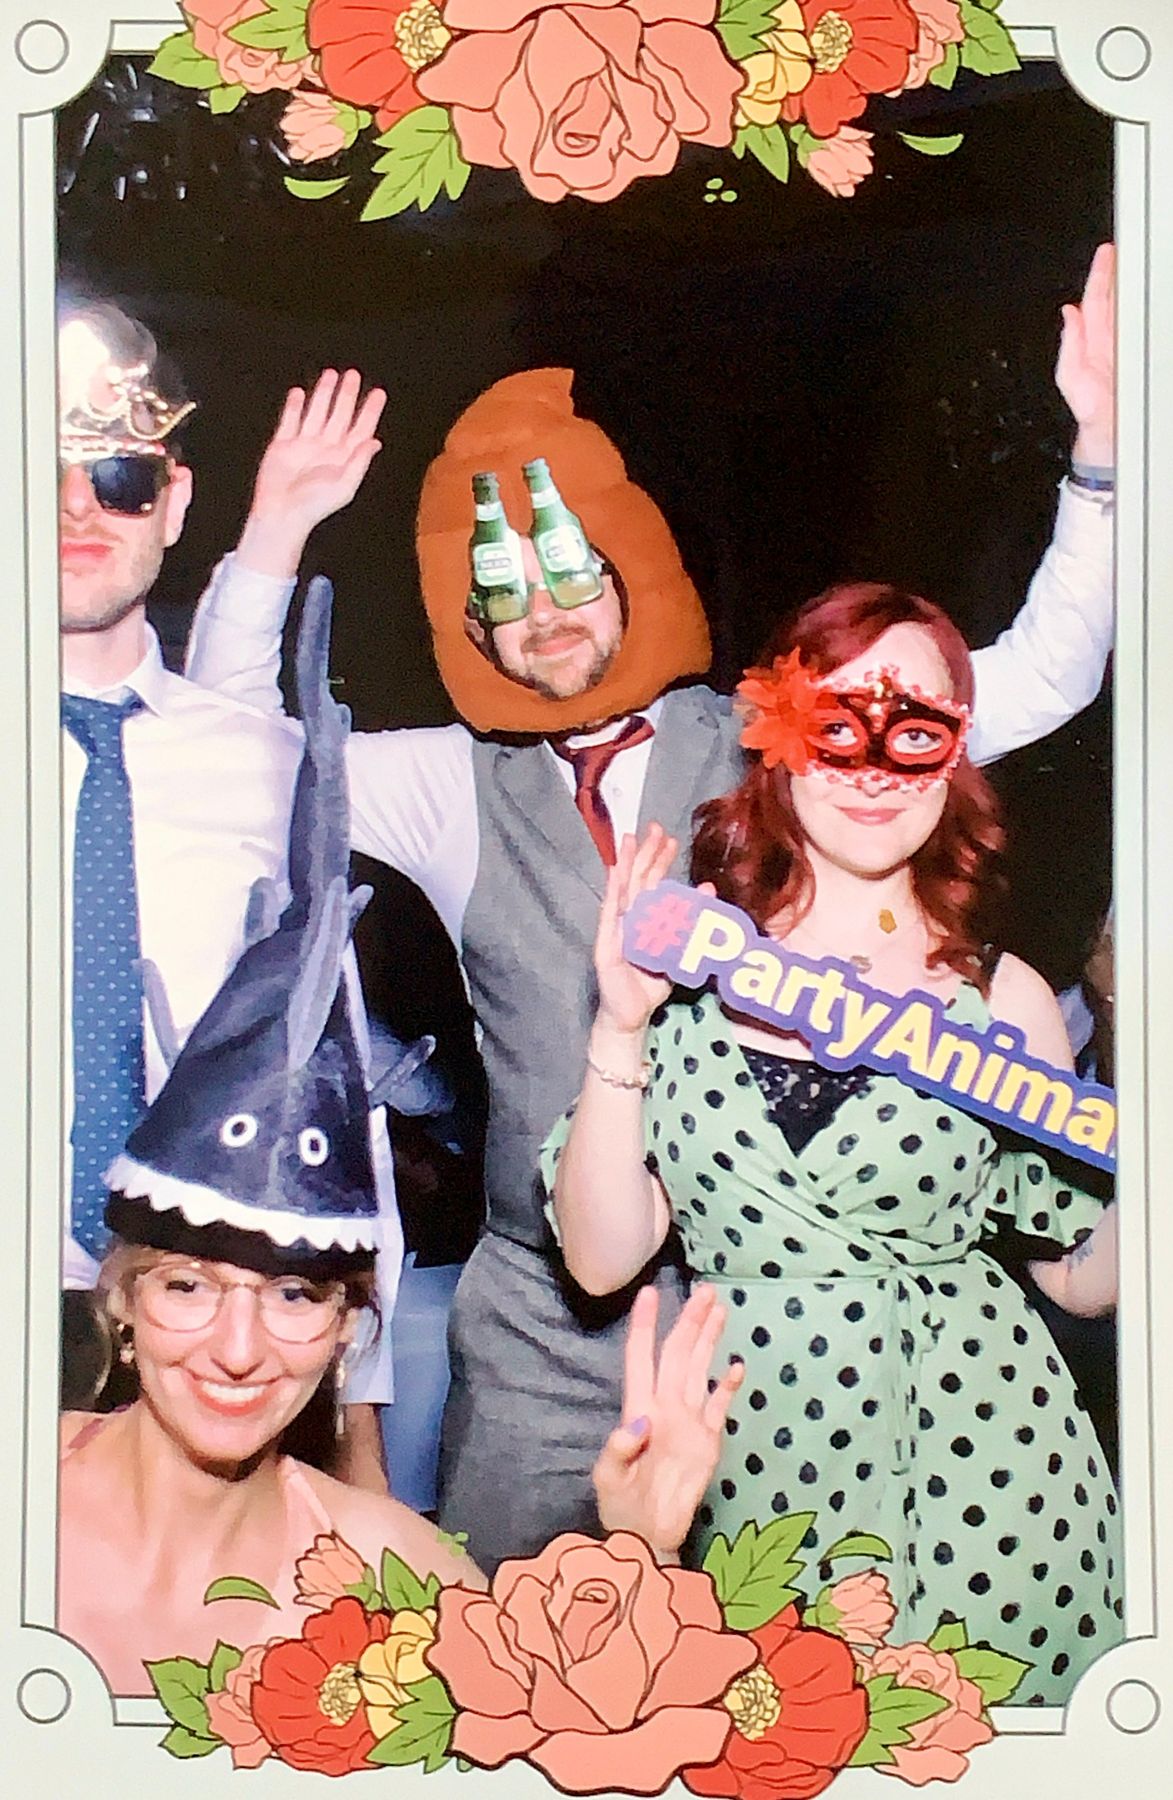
(639,1081)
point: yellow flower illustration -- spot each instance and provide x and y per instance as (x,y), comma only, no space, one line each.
(782,68)
(386,1670)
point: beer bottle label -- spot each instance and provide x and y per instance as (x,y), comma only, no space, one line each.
(494,565)
(561,548)
(489,509)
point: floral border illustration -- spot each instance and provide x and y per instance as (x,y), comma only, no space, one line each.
(601,1668)
(578,99)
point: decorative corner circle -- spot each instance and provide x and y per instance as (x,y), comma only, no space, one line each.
(1124,53)
(44,1696)
(1133,1706)
(42,47)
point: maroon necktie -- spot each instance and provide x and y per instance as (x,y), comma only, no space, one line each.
(589,762)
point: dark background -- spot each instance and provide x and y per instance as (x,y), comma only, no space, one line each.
(811,389)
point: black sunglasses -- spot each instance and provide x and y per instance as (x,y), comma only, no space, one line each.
(125,484)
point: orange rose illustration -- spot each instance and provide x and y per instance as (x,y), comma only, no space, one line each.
(592,1662)
(583,99)
(860,47)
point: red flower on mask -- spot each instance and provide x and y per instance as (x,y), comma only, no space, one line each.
(860,48)
(307,1701)
(799,1715)
(782,704)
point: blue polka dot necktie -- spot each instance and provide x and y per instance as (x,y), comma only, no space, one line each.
(108,1069)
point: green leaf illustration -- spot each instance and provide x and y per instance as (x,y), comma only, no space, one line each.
(892,1711)
(401,1588)
(945,73)
(181,1685)
(752,1577)
(933,146)
(314,190)
(238,1587)
(858,1543)
(742,24)
(949,1635)
(996,1674)
(282,29)
(226,99)
(422,156)
(803,141)
(425,1730)
(988,47)
(178,60)
(225,1658)
(181,1742)
(366,1591)
(769,144)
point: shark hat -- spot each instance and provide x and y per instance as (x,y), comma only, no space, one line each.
(256,1150)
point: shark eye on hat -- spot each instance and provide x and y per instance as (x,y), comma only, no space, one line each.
(313,1146)
(238,1130)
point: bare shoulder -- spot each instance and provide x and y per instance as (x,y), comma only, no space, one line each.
(372,1523)
(1020,996)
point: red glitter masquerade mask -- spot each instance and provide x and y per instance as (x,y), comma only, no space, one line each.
(878,734)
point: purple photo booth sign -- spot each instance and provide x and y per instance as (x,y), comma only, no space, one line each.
(678,932)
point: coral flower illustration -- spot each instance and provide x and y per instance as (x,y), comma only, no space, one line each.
(798,1717)
(308,1702)
(372,50)
(859,47)
(593,1662)
(937,1747)
(583,99)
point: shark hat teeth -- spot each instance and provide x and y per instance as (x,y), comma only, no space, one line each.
(203,1206)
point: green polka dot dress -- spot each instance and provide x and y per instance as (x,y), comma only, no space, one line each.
(897,1382)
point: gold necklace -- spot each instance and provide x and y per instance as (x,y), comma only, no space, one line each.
(887,924)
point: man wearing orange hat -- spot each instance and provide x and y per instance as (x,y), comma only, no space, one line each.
(580,725)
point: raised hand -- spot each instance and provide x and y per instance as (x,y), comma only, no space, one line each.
(653,1470)
(312,467)
(1086,369)
(627,996)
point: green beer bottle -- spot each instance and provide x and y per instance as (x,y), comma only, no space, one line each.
(498,576)
(569,567)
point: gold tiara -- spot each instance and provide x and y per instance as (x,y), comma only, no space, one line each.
(107,406)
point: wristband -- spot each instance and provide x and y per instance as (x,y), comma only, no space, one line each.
(1096,478)
(639,1081)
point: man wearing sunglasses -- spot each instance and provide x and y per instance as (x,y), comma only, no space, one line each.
(582,723)
(176,802)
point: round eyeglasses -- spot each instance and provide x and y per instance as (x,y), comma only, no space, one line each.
(188,1297)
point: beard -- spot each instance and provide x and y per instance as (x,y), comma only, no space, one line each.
(95,616)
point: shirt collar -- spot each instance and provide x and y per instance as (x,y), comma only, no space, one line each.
(578,740)
(148,681)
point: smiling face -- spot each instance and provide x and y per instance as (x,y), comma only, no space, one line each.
(224,1387)
(558,651)
(110,561)
(861,822)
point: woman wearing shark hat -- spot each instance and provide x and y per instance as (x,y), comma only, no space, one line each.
(246,1230)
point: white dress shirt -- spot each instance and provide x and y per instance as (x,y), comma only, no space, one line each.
(412,795)
(211,783)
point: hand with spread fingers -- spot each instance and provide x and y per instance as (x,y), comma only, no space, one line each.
(627,996)
(313,466)
(652,1472)
(1086,369)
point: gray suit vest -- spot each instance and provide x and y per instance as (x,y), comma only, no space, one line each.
(529,928)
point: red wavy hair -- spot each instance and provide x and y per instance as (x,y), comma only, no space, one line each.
(750,845)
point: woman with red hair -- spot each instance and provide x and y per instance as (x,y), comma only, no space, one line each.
(897,1383)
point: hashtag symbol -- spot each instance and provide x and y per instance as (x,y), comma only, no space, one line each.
(666,921)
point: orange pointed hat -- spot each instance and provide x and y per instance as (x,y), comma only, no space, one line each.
(666,638)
